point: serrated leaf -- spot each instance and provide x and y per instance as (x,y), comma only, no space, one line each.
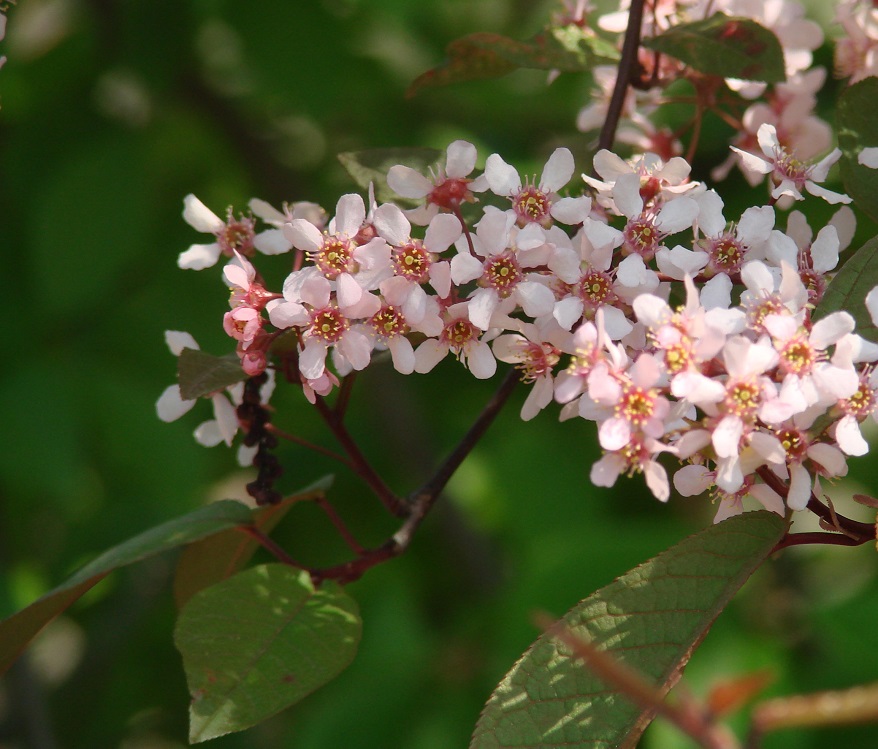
(371,166)
(650,619)
(217,557)
(259,642)
(856,116)
(725,46)
(200,373)
(484,55)
(18,630)
(847,291)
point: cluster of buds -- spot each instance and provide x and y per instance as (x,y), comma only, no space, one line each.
(638,306)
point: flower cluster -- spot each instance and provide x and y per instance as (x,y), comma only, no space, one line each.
(638,306)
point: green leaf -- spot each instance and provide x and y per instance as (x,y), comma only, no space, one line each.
(371,166)
(483,55)
(856,116)
(726,46)
(200,373)
(847,291)
(650,619)
(20,628)
(217,557)
(259,642)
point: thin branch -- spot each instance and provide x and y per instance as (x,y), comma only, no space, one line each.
(310,445)
(853,529)
(270,545)
(339,524)
(630,46)
(818,537)
(359,464)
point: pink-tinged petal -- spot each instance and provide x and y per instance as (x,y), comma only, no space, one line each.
(479,360)
(493,230)
(272,242)
(824,249)
(303,235)
(460,159)
(753,163)
(830,329)
(312,359)
(602,237)
(465,268)
(692,480)
(414,308)
(536,299)
(849,437)
(868,157)
(443,231)
(766,136)
(605,471)
(782,327)
(691,442)
(800,487)
(571,211)
(727,436)
(177,340)
(350,213)
(632,272)
(697,389)
(373,256)
(820,170)
(657,480)
(390,222)
(757,278)
(829,196)
(755,225)
(235,275)
(768,447)
(408,183)
(782,248)
(440,278)
(402,354)
(367,306)
(567,312)
(768,498)
(508,347)
(199,257)
(502,178)
(606,163)
(481,307)
(651,310)
(356,348)
(428,355)
(675,171)
(538,398)
(529,238)
(646,371)
(829,458)
(626,195)
(349,292)
(208,433)
(602,387)
(728,507)
(200,217)
(286,314)
(170,406)
(677,215)
(872,305)
(729,477)
(558,170)
(315,290)
(680,262)
(614,434)
(266,211)
(710,214)
(616,324)
(226,417)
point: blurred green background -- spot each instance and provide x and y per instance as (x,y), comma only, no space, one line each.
(112,111)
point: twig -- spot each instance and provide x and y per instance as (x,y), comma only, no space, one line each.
(630,46)
(310,445)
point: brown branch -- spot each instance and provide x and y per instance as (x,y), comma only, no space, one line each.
(624,76)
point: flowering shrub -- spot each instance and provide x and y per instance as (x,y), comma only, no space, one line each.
(725,359)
